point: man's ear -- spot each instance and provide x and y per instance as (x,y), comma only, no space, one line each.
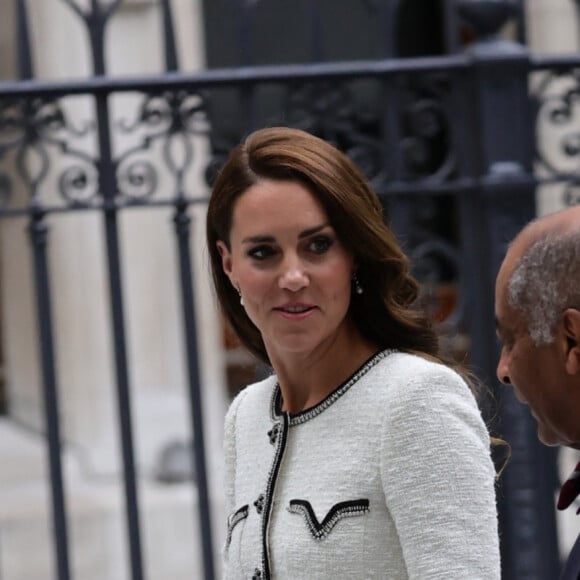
(226,256)
(571,327)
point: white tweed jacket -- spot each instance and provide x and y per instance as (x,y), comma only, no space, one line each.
(389,477)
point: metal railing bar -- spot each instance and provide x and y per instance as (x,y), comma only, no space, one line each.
(556,63)
(256,74)
(100,206)
(460,186)
(108,187)
(182,223)
(235,77)
(38,232)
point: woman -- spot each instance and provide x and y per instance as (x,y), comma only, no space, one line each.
(362,456)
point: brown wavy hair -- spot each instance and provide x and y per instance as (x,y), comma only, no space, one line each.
(385,314)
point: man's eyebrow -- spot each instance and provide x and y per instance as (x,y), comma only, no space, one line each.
(499,328)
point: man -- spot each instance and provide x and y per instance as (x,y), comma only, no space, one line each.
(537,309)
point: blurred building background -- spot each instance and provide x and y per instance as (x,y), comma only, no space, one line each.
(115,368)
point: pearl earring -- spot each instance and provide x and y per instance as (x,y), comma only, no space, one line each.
(240,295)
(357,285)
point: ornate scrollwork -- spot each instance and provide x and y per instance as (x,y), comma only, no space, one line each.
(10,125)
(171,119)
(571,195)
(5,190)
(557,99)
(169,112)
(36,129)
(137,180)
(33,162)
(99,12)
(437,265)
(331,112)
(487,17)
(79,184)
(427,147)
(436,261)
(218,158)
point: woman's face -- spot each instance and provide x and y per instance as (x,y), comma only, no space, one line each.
(292,271)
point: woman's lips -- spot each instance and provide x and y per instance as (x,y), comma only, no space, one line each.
(295,311)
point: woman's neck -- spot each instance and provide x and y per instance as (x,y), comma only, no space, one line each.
(306,379)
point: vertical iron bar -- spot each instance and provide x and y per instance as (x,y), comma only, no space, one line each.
(171,61)
(108,189)
(247,104)
(577,15)
(521,28)
(182,229)
(38,232)
(245,29)
(387,20)
(25,70)
(398,207)
(391,128)
(450,27)
(97,22)
(316,33)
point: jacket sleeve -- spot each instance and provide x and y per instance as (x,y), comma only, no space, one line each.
(439,480)
(230,456)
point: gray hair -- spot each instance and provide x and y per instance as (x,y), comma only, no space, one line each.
(545,282)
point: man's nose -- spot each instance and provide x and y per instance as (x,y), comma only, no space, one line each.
(502,370)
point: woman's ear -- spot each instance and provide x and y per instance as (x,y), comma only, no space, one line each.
(571,326)
(226,256)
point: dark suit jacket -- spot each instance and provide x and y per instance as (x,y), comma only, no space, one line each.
(572,567)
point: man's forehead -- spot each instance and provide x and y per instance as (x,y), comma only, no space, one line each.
(508,321)
(557,221)
(514,253)
(505,316)
(507,268)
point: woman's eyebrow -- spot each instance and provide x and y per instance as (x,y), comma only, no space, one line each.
(260,239)
(268,239)
(313,230)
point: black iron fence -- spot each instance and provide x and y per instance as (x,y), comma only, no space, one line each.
(456,145)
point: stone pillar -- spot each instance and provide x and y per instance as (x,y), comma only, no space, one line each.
(552,26)
(6,39)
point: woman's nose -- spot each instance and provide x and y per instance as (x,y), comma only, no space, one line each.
(293,275)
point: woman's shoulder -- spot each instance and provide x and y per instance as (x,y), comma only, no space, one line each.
(415,367)
(406,376)
(412,389)
(253,399)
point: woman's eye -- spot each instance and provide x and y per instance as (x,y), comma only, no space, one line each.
(320,245)
(261,252)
